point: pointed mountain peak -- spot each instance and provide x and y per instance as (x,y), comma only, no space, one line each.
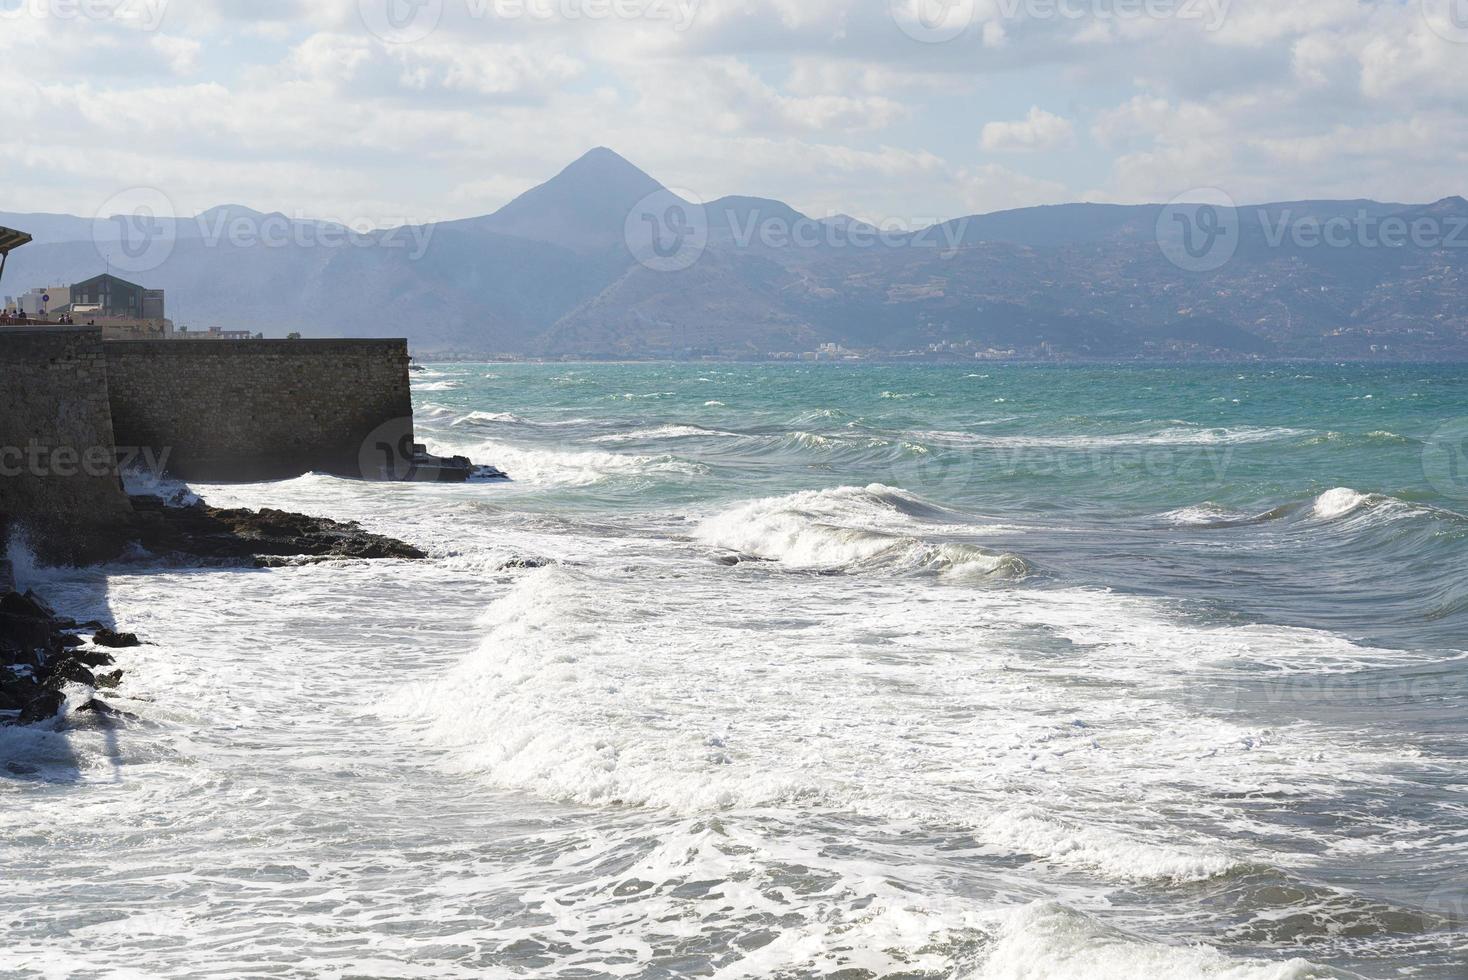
(583,208)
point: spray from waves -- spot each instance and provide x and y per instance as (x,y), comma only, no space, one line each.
(582,693)
(853,529)
(536,709)
(576,468)
(667,432)
(1331,507)
(1048,940)
(509,418)
(1173,436)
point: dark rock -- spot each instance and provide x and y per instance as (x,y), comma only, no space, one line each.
(95,658)
(530,562)
(94,706)
(22,768)
(16,694)
(70,642)
(107,638)
(68,671)
(488,473)
(26,625)
(244,536)
(109,680)
(47,705)
(28,605)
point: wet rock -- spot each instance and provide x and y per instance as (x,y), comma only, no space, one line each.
(109,680)
(47,705)
(94,706)
(61,672)
(244,536)
(526,562)
(22,769)
(95,658)
(71,642)
(15,695)
(25,626)
(108,638)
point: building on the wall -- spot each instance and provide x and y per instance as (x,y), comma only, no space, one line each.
(124,310)
(42,301)
(107,295)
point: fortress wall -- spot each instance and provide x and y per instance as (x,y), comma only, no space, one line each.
(228,410)
(58,464)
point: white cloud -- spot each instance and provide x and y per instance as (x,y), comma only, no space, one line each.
(293,105)
(1038,131)
(181,53)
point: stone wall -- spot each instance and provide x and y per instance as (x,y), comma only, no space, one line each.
(58,467)
(227,410)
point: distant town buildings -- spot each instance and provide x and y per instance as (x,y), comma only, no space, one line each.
(124,310)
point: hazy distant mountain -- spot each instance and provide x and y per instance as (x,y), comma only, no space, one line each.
(602,260)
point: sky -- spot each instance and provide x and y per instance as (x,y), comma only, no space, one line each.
(896,111)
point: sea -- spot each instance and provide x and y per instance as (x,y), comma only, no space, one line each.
(796,671)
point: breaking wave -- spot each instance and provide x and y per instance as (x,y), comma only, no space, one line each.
(853,529)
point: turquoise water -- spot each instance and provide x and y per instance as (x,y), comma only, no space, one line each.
(1185,482)
(801,671)
(1314,510)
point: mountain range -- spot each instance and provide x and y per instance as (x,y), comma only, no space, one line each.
(603,261)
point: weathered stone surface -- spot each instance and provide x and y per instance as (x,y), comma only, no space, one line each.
(58,468)
(260,409)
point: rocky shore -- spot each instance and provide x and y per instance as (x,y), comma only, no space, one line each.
(42,653)
(186,527)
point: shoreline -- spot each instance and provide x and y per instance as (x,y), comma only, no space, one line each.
(43,652)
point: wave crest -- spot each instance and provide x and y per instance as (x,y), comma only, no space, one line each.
(853,529)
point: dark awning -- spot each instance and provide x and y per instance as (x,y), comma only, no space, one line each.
(10,238)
